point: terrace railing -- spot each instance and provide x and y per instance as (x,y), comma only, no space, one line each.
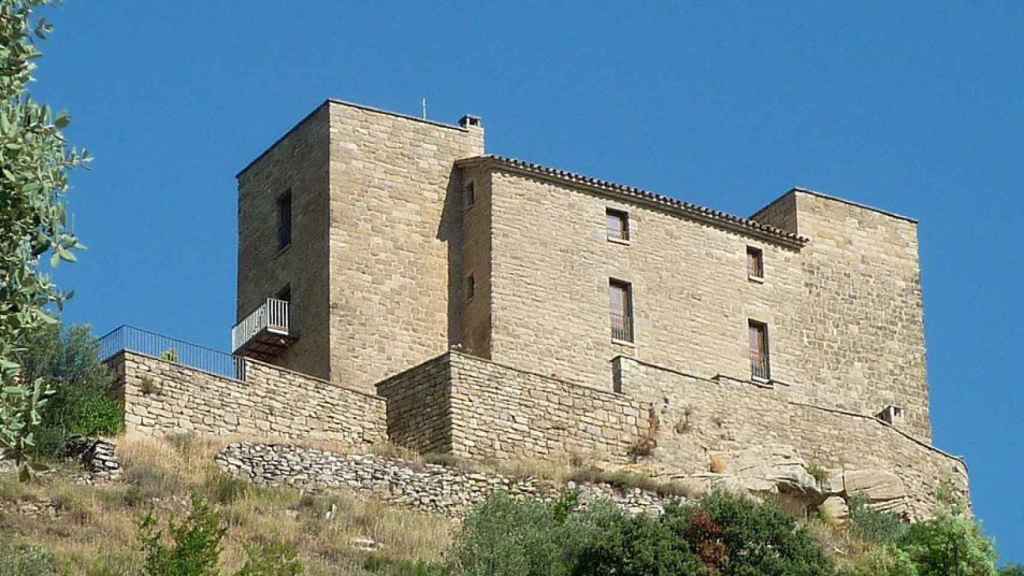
(131,339)
(272,316)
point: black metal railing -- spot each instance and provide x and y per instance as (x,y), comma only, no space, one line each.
(622,327)
(131,339)
(759,366)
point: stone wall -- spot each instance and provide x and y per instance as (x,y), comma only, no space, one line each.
(162,397)
(297,163)
(502,412)
(477,409)
(700,419)
(419,406)
(395,240)
(426,487)
(862,319)
(692,299)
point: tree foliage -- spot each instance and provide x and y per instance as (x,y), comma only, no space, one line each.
(82,401)
(34,166)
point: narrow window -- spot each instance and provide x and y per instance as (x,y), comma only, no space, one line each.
(618,225)
(469,195)
(284,293)
(284,220)
(621,308)
(470,287)
(760,368)
(755,263)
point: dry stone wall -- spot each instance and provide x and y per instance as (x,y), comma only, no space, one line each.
(426,487)
(164,397)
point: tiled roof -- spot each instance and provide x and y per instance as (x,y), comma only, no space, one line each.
(693,211)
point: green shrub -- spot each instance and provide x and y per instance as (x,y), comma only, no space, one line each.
(26,560)
(735,535)
(83,401)
(874,526)
(508,537)
(883,561)
(194,547)
(388,567)
(950,545)
(1014,570)
(606,540)
(273,559)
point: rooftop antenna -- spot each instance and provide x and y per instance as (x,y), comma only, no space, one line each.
(424,107)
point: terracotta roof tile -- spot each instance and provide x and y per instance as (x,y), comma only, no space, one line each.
(694,211)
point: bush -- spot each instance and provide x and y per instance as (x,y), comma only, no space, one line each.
(25,560)
(83,402)
(508,537)
(735,535)
(194,548)
(950,545)
(605,540)
(873,526)
(1015,570)
(505,536)
(274,559)
(883,561)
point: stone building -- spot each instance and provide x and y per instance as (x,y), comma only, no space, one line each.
(398,284)
(371,242)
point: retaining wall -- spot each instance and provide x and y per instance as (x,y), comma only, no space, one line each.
(162,397)
(699,418)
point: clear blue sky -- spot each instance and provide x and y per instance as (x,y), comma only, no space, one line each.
(915,107)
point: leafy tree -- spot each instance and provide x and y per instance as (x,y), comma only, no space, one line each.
(82,402)
(950,545)
(1014,570)
(34,166)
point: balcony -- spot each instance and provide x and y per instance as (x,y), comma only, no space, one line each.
(265,333)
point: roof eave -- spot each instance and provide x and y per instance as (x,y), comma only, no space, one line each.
(643,197)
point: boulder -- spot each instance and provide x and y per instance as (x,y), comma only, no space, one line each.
(881,489)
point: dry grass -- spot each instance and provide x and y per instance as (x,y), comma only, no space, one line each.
(96,530)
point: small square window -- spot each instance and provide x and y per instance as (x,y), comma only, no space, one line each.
(470,287)
(618,225)
(469,195)
(755,263)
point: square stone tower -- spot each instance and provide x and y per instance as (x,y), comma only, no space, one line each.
(348,243)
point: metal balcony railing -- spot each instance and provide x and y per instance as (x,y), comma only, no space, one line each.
(759,367)
(131,339)
(270,318)
(622,327)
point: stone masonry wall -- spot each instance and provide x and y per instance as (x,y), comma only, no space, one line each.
(502,412)
(395,240)
(298,162)
(692,299)
(163,397)
(862,318)
(419,406)
(700,418)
